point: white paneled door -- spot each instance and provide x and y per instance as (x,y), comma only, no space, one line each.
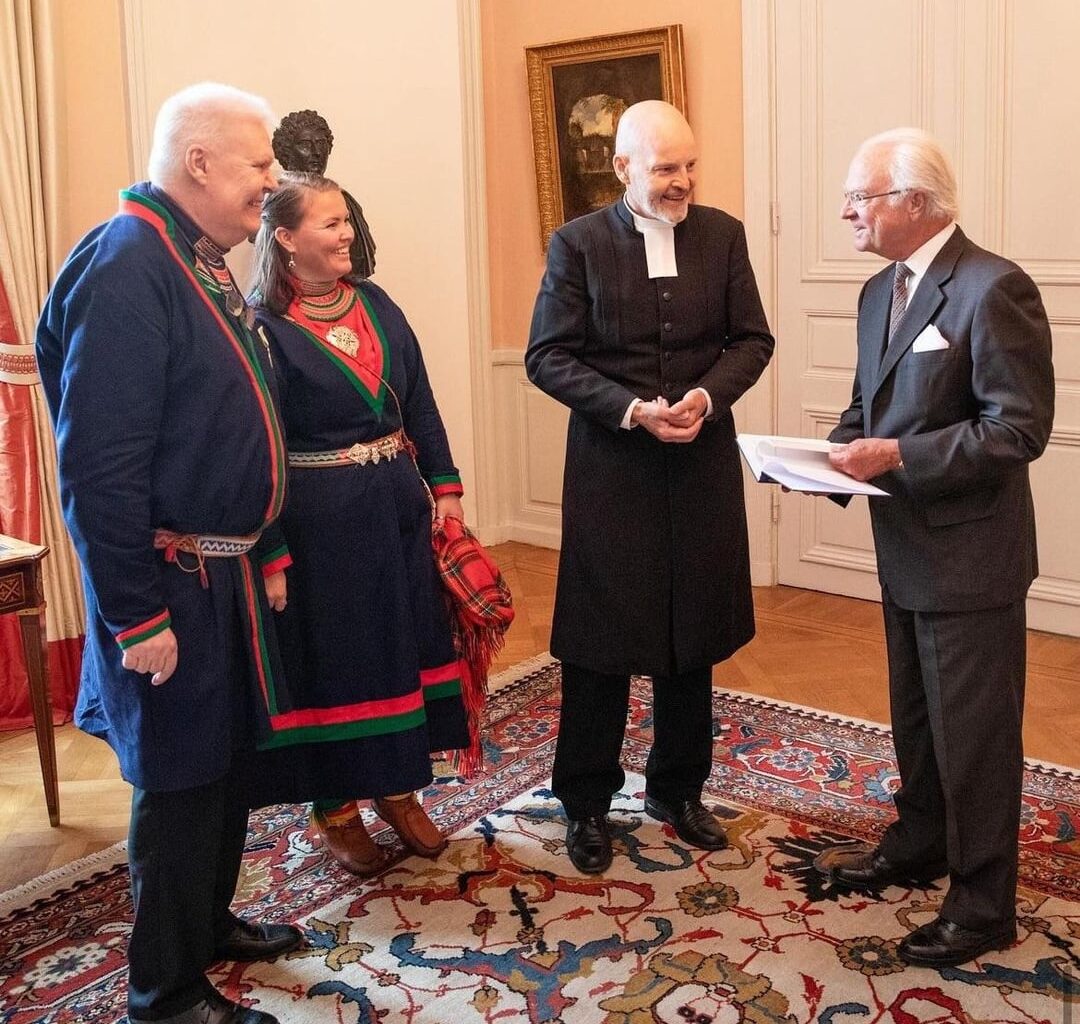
(996,82)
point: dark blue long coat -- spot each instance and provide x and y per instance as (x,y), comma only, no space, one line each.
(164,418)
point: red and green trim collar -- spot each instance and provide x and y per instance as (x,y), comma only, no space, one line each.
(375,399)
(158,217)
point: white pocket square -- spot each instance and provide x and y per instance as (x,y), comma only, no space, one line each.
(930,340)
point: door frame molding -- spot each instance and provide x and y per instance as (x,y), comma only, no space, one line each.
(760,219)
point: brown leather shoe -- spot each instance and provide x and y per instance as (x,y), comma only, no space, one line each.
(351,845)
(410,821)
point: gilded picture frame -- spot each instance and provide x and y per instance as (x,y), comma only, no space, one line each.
(578,88)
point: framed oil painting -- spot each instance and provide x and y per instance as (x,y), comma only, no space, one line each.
(578,90)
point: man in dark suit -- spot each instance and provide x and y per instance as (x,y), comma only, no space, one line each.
(953,397)
(649,327)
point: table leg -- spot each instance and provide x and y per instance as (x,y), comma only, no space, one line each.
(31,622)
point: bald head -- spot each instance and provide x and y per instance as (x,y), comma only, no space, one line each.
(656,159)
(647,121)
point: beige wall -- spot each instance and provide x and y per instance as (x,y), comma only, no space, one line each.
(712,53)
(93,152)
(390,87)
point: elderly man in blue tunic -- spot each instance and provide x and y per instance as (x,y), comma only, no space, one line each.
(172,474)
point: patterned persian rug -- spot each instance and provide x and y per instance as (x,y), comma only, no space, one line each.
(500,929)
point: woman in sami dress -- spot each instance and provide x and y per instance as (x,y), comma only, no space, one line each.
(365,638)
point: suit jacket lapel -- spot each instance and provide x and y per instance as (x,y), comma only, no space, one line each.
(928,299)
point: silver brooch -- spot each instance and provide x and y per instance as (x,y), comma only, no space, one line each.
(345,339)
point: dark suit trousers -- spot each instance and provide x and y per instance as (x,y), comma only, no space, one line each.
(592,721)
(956,687)
(184,852)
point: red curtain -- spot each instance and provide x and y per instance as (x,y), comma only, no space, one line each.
(20,516)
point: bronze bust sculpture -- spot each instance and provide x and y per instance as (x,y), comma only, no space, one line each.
(302,142)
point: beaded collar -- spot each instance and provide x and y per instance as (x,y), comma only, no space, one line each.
(329,306)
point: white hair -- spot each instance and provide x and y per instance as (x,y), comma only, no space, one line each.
(915,160)
(199,114)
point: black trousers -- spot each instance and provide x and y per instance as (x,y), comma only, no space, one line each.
(956,690)
(592,721)
(184,852)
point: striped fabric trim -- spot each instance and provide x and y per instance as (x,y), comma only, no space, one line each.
(365,718)
(278,564)
(438,490)
(263,672)
(144,630)
(345,731)
(159,218)
(374,401)
(444,681)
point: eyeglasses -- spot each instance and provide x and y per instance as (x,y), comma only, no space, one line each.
(858,200)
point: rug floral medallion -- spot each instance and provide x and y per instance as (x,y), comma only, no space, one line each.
(501,929)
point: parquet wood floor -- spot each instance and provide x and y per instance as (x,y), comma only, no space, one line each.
(815,649)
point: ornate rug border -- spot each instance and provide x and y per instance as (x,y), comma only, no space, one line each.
(80,870)
(115,855)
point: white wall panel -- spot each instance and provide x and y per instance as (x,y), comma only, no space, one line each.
(393,87)
(995,81)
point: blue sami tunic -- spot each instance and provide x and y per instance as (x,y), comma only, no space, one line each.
(365,637)
(164,418)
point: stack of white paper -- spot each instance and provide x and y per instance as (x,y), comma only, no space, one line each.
(800,464)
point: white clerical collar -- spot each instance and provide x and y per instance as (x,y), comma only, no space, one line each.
(659,238)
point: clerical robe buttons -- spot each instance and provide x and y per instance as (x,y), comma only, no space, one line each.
(667,355)
(668,326)
(666,296)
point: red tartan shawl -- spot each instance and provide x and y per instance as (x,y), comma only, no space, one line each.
(481,610)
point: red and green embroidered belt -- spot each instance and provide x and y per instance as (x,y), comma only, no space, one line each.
(359,454)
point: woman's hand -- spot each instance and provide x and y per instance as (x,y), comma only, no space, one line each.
(276,589)
(449,505)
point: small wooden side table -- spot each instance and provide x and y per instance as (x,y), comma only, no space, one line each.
(21,592)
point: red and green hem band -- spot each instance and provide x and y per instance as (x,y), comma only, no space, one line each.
(443,681)
(366,718)
(151,627)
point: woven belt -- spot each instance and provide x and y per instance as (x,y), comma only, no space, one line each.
(202,546)
(359,454)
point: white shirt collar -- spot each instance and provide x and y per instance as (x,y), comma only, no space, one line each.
(919,261)
(659,238)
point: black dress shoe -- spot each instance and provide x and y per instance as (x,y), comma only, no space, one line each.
(693,822)
(943,943)
(588,841)
(215,1009)
(256,940)
(859,867)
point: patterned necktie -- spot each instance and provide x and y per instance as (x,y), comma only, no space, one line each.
(899,297)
